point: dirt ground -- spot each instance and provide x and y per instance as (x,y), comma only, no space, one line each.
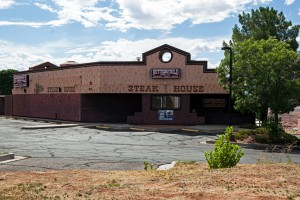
(185,181)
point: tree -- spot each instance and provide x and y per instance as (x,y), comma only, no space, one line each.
(6,81)
(266,75)
(263,24)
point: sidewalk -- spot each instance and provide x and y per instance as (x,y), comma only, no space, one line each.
(213,129)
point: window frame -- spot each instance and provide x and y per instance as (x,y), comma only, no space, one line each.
(164,101)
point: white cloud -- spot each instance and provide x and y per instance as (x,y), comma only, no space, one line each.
(22,57)
(45,7)
(256,2)
(85,12)
(289,2)
(4,4)
(140,14)
(164,15)
(59,22)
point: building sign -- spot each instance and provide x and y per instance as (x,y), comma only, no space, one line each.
(143,88)
(165,73)
(58,89)
(69,89)
(176,88)
(165,115)
(53,89)
(214,103)
(188,88)
(21,80)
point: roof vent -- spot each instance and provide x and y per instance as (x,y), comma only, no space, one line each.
(68,63)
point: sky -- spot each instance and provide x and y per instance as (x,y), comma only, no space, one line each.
(37,31)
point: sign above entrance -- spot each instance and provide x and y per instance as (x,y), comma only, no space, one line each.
(165,73)
(21,80)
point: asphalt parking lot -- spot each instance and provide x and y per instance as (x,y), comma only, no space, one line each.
(89,148)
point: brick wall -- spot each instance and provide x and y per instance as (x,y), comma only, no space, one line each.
(49,106)
(2,105)
(109,107)
(8,106)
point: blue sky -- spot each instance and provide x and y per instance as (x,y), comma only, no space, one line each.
(36,31)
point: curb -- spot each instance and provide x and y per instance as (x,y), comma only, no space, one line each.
(50,126)
(16,158)
(258,146)
(8,156)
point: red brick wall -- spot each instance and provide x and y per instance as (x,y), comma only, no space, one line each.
(49,106)
(2,105)
(8,105)
(109,107)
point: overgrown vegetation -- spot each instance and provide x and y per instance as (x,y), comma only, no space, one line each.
(225,154)
(270,133)
(265,180)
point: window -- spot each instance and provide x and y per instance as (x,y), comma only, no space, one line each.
(159,102)
(165,56)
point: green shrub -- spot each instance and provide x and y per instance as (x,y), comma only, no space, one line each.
(261,131)
(274,128)
(262,138)
(287,138)
(263,135)
(243,134)
(225,154)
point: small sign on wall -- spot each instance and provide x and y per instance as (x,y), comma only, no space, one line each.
(165,73)
(165,115)
(214,103)
(21,80)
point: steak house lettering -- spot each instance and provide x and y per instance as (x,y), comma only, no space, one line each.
(176,88)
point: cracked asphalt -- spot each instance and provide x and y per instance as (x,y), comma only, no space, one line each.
(88,148)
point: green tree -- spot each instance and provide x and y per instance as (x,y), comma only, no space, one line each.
(6,81)
(263,24)
(266,75)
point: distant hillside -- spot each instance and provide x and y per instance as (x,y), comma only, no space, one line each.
(290,120)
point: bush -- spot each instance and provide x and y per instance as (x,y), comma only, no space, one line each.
(274,128)
(261,131)
(243,134)
(225,154)
(287,138)
(262,138)
(264,135)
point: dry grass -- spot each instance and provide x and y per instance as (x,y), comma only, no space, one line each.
(185,181)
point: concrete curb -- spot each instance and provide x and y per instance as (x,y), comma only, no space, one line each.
(16,158)
(7,156)
(257,146)
(50,126)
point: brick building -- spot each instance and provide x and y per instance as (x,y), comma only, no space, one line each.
(164,87)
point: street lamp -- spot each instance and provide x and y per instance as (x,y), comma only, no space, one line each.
(230,81)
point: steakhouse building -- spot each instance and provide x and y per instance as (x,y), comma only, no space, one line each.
(165,87)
